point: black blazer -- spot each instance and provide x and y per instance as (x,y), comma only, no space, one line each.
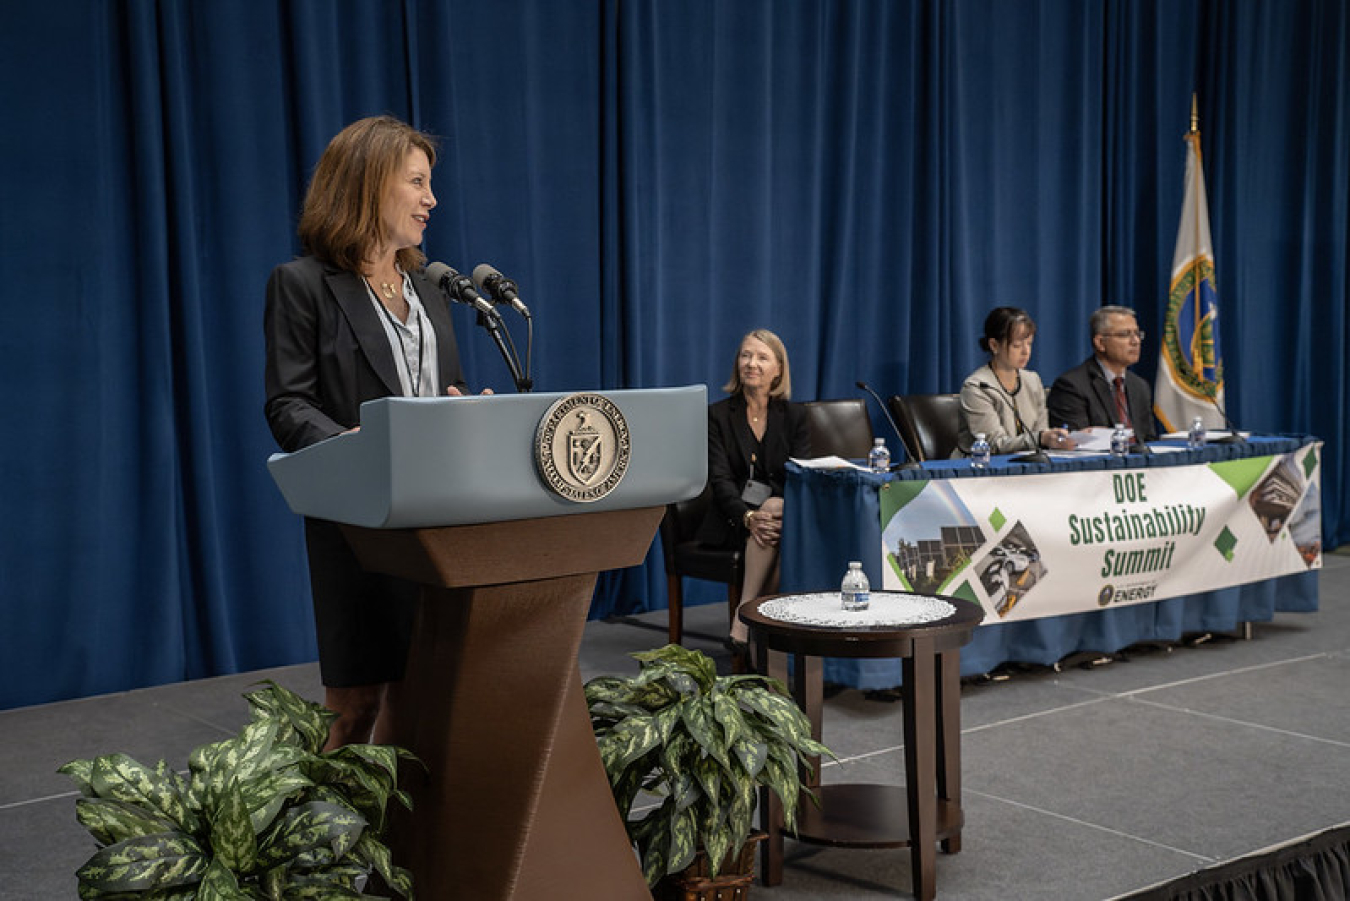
(731,445)
(1083,397)
(327,352)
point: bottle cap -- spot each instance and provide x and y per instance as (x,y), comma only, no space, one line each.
(853,563)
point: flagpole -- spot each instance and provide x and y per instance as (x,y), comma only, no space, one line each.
(1193,137)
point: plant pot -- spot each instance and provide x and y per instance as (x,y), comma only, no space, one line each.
(732,883)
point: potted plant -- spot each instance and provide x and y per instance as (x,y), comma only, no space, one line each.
(263,815)
(703,744)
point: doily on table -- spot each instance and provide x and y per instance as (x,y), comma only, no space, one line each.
(888,608)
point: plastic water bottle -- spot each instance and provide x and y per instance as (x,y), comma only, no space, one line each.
(855,592)
(979,452)
(1195,438)
(1120,441)
(879,459)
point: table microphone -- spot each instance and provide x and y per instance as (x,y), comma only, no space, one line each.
(1036,456)
(1232,437)
(908,463)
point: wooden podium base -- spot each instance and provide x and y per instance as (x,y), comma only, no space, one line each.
(515,803)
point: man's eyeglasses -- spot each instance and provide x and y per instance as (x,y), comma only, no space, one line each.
(1126,335)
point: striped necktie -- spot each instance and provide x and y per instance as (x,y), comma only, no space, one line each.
(1122,406)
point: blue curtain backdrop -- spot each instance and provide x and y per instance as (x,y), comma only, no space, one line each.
(867,178)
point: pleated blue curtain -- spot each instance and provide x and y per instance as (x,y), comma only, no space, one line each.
(865,177)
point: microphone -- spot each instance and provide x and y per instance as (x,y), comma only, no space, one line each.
(909,463)
(459,289)
(1232,437)
(499,288)
(1036,456)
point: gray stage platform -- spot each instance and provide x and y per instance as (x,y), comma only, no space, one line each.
(1081,784)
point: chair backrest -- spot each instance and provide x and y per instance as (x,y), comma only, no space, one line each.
(936,421)
(908,433)
(681,522)
(839,427)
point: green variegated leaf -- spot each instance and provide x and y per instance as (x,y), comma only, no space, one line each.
(709,778)
(680,752)
(681,683)
(698,719)
(633,738)
(144,862)
(81,773)
(383,758)
(253,751)
(110,820)
(272,882)
(783,781)
(313,825)
(120,777)
(264,797)
(716,842)
(376,855)
(233,841)
(729,716)
(683,841)
(777,709)
(666,721)
(315,859)
(684,790)
(741,813)
(311,888)
(220,884)
(307,723)
(752,755)
(654,863)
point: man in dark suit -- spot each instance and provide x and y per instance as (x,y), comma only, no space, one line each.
(1102,391)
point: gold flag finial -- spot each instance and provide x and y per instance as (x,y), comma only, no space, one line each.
(1195,116)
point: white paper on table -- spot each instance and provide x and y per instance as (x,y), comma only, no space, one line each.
(1095,438)
(830,462)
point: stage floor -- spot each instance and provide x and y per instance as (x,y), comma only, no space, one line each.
(1078,784)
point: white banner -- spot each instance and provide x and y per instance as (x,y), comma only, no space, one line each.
(1027,546)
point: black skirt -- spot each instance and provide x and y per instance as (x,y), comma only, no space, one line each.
(363,621)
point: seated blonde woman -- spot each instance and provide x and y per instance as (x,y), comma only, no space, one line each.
(751,435)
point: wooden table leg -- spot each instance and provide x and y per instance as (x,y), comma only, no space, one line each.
(949,739)
(920,718)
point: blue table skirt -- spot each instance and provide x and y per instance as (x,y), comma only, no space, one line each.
(834,516)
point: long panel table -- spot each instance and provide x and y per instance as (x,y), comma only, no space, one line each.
(833,516)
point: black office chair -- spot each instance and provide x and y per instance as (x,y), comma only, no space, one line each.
(839,428)
(684,556)
(932,423)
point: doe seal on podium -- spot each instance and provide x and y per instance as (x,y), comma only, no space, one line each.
(582,447)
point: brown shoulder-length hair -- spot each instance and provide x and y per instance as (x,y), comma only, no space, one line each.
(340,222)
(782,386)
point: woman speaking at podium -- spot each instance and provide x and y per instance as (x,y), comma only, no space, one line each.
(751,435)
(354,320)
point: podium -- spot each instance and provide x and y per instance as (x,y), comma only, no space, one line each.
(504,509)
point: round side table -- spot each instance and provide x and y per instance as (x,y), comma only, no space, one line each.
(928,807)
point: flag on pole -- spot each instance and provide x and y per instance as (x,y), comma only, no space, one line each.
(1190,367)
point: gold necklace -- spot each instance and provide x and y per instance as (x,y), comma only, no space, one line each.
(387,290)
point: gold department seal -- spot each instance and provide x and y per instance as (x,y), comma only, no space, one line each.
(582,447)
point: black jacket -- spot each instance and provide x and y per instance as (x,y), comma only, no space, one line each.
(1083,397)
(327,352)
(731,448)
